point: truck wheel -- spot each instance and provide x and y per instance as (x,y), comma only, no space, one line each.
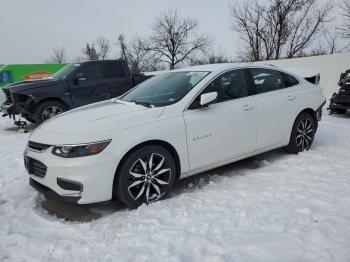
(47,110)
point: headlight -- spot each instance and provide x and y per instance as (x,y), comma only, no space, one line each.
(80,150)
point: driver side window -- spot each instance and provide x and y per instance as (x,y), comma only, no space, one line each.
(87,71)
(230,85)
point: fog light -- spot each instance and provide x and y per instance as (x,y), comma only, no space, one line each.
(69,185)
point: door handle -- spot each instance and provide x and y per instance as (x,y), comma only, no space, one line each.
(291,97)
(102,84)
(247,107)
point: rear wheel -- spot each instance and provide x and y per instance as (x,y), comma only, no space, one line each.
(303,133)
(146,176)
(47,110)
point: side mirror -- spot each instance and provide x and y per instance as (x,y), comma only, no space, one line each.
(207,98)
(79,77)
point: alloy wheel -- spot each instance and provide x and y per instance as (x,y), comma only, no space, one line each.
(305,134)
(51,111)
(149,178)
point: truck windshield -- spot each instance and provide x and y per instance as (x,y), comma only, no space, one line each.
(164,89)
(65,71)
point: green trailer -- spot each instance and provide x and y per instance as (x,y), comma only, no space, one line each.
(15,73)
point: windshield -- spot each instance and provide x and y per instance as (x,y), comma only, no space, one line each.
(65,71)
(165,89)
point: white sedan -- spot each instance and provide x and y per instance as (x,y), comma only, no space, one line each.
(171,126)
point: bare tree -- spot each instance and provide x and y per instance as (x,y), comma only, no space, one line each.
(174,38)
(213,57)
(345,13)
(246,20)
(98,49)
(58,55)
(278,28)
(123,47)
(103,47)
(90,51)
(330,43)
(137,55)
(140,59)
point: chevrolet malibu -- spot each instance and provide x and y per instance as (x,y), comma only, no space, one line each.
(177,124)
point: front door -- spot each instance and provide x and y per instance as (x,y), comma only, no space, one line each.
(226,129)
(87,87)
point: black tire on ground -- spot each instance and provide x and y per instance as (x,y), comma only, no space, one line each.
(147,175)
(303,133)
(47,110)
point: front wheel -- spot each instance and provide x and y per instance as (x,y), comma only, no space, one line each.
(146,176)
(303,133)
(47,110)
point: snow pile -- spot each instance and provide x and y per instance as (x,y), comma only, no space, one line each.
(273,207)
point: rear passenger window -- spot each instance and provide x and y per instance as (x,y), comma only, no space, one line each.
(267,80)
(289,80)
(110,70)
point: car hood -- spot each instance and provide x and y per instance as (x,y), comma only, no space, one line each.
(31,84)
(93,122)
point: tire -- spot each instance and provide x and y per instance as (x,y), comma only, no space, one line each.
(303,133)
(135,184)
(47,110)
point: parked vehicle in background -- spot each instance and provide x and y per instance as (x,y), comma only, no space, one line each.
(20,72)
(73,86)
(171,126)
(340,101)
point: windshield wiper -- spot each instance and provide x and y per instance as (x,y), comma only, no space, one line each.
(146,104)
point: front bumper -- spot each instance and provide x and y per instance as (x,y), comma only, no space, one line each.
(6,108)
(13,109)
(50,194)
(94,176)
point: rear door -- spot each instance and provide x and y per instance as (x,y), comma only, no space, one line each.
(277,105)
(88,85)
(118,82)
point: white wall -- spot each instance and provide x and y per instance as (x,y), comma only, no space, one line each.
(329,66)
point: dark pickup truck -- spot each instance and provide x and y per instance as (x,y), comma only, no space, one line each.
(73,86)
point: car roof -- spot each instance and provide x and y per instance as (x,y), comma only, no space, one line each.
(222,67)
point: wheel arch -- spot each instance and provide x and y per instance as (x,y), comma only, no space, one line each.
(56,99)
(157,142)
(311,112)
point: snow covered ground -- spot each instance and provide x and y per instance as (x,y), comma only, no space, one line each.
(273,207)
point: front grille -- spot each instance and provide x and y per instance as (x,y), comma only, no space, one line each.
(35,167)
(7,95)
(38,147)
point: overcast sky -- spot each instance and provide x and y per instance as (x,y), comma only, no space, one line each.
(30,29)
